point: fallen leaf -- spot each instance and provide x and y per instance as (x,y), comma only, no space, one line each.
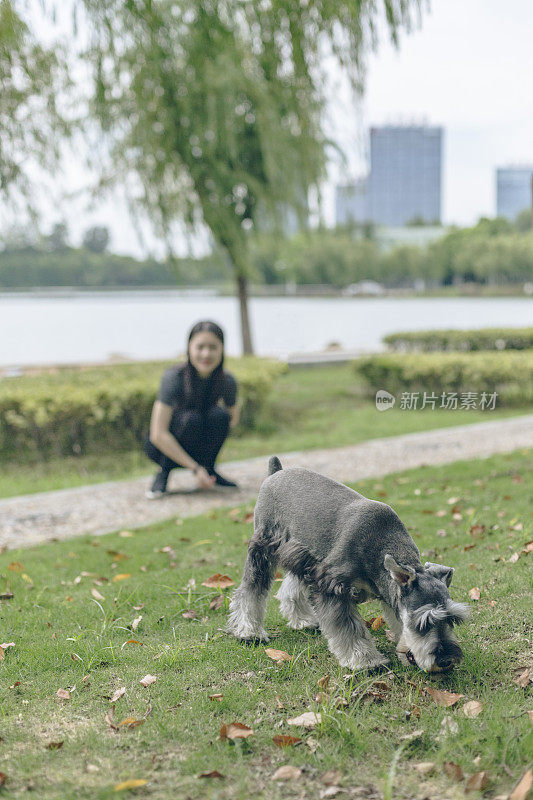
(14,685)
(109,718)
(63,694)
(287,773)
(476,530)
(126,534)
(235,730)
(6,596)
(524,678)
(331,778)
(218,697)
(16,566)
(477,782)
(121,576)
(425,767)
(213,774)
(117,556)
(248,517)
(530,716)
(307,720)
(5,645)
(323,682)
(522,788)
(284,740)
(472,709)
(136,622)
(280,704)
(377,623)
(277,655)
(2,654)
(131,722)
(514,558)
(3,778)
(218,581)
(443,698)
(331,791)
(96,594)
(217,602)
(148,680)
(117,694)
(190,614)
(474,594)
(131,641)
(453,771)
(134,783)
(54,745)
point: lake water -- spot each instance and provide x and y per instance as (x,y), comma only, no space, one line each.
(81,327)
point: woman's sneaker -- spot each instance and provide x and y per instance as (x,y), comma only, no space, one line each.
(159,486)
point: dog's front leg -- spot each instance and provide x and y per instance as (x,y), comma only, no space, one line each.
(346,634)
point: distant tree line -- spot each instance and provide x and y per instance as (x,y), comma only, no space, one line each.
(493,252)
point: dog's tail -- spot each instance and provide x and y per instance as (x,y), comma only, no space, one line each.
(274,465)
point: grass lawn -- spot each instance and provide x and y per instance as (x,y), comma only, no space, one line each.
(309,408)
(70,619)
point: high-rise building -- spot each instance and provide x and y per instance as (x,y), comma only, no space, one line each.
(513,190)
(404,181)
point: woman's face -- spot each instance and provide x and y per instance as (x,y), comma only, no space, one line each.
(205,352)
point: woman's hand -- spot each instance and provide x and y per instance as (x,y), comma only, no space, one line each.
(204,479)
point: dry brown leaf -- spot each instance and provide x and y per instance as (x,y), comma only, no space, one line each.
(190,614)
(443,698)
(218,697)
(472,709)
(117,556)
(109,718)
(280,704)
(323,682)
(132,641)
(530,716)
(322,698)
(134,783)
(2,654)
(213,774)
(307,720)
(126,534)
(63,694)
(331,778)
(218,581)
(121,576)
(3,778)
(55,745)
(524,677)
(287,773)
(284,740)
(453,771)
(514,558)
(331,791)
(16,566)
(277,655)
(477,782)
(6,595)
(96,594)
(425,767)
(235,730)
(136,622)
(377,623)
(474,594)
(117,694)
(148,680)
(248,517)
(523,787)
(14,685)
(217,602)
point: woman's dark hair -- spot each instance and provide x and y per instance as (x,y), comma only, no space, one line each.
(191,377)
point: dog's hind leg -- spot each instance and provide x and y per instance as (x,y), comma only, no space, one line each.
(248,604)
(347,636)
(294,603)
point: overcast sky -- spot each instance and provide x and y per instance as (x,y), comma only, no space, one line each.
(468,67)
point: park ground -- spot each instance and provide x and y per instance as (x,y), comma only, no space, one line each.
(90,618)
(308,408)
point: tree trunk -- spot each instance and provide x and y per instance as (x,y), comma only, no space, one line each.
(242,290)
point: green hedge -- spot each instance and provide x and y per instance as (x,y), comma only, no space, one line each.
(468,340)
(509,374)
(104,409)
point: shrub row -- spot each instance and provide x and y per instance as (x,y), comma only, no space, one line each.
(509,374)
(468,340)
(104,409)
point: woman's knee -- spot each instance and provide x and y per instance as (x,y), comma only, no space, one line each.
(219,417)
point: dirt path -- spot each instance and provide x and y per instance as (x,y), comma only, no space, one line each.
(106,507)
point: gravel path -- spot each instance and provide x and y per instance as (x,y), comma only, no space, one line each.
(107,507)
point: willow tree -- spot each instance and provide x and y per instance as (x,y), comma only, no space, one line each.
(216,107)
(32,78)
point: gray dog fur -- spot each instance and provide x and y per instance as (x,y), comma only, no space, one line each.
(338,549)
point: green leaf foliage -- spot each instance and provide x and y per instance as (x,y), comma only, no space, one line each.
(461,340)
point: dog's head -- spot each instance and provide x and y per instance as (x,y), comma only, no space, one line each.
(427,614)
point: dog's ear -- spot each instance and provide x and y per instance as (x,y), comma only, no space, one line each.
(440,571)
(402,573)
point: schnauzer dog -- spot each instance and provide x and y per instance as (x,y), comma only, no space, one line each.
(339,549)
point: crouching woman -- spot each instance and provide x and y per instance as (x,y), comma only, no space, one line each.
(189,425)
